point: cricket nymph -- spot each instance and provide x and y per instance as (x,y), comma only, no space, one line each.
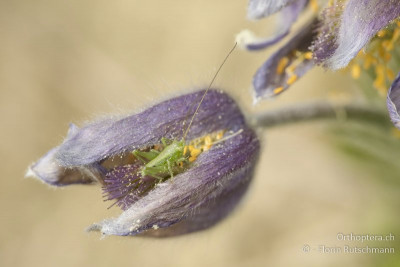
(128,183)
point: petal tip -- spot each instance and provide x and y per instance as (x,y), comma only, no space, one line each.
(245,37)
(31,173)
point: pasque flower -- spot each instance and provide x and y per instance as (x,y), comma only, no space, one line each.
(221,154)
(361,34)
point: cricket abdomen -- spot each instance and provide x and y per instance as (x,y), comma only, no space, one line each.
(170,153)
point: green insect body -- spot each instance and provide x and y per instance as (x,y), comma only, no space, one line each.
(165,163)
(172,159)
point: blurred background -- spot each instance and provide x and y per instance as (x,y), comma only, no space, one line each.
(71,61)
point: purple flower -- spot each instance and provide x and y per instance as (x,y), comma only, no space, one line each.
(393,102)
(285,66)
(287,16)
(221,154)
(342,30)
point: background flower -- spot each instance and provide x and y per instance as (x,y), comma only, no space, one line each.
(336,41)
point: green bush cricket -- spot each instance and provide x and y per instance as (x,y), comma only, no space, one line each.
(171,159)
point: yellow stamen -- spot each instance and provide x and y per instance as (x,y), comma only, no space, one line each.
(381,52)
(380,82)
(355,71)
(388,45)
(387,57)
(206,147)
(381,33)
(379,55)
(201,144)
(390,74)
(292,79)
(314,5)
(282,65)
(396,35)
(278,90)
(368,62)
(291,68)
(308,55)
(208,140)
(220,135)
(380,70)
(195,152)
(396,132)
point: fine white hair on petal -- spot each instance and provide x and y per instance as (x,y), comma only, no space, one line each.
(49,170)
(163,206)
(193,200)
(286,17)
(97,141)
(207,187)
(245,37)
(258,9)
(360,21)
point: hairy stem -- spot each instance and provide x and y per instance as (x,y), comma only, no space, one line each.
(318,110)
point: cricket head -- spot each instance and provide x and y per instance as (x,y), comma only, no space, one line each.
(204,176)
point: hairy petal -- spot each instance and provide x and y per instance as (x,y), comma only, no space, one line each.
(324,44)
(195,199)
(286,18)
(272,78)
(393,102)
(258,9)
(124,185)
(360,21)
(50,171)
(202,194)
(169,119)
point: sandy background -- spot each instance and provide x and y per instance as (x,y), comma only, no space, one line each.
(70,61)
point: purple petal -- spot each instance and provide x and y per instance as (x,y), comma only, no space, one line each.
(360,21)
(169,119)
(393,102)
(195,199)
(287,17)
(49,170)
(271,78)
(125,186)
(258,9)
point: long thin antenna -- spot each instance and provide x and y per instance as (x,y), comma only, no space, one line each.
(208,88)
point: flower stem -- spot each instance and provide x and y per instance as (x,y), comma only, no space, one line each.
(318,110)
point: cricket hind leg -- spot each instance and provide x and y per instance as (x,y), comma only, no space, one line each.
(145,156)
(155,172)
(170,168)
